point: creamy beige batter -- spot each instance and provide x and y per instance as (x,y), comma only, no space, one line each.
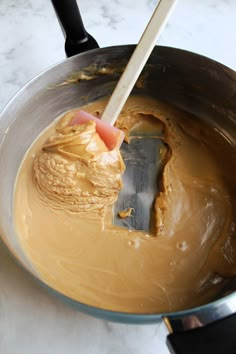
(65,191)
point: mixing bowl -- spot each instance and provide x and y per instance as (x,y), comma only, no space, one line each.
(188,81)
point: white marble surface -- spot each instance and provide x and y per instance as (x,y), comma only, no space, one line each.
(31,321)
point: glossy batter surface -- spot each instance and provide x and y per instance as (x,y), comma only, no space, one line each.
(63,203)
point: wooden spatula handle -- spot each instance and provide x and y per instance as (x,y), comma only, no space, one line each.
(138,60)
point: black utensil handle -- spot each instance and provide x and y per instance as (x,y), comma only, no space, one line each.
(78,40)
(216,338)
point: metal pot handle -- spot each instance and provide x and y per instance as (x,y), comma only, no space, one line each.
(78,40)
(215,338)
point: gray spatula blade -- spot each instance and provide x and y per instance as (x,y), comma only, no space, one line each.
(140,182)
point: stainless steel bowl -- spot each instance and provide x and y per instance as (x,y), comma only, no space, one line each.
(189,81)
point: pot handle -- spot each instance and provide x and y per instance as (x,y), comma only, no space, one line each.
(78,40)
(216,338)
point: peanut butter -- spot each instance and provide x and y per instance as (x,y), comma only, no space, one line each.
(76,171)
(68,183)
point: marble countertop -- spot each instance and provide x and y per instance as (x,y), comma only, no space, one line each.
(32,321)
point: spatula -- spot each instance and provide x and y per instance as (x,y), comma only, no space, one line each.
(141,156)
